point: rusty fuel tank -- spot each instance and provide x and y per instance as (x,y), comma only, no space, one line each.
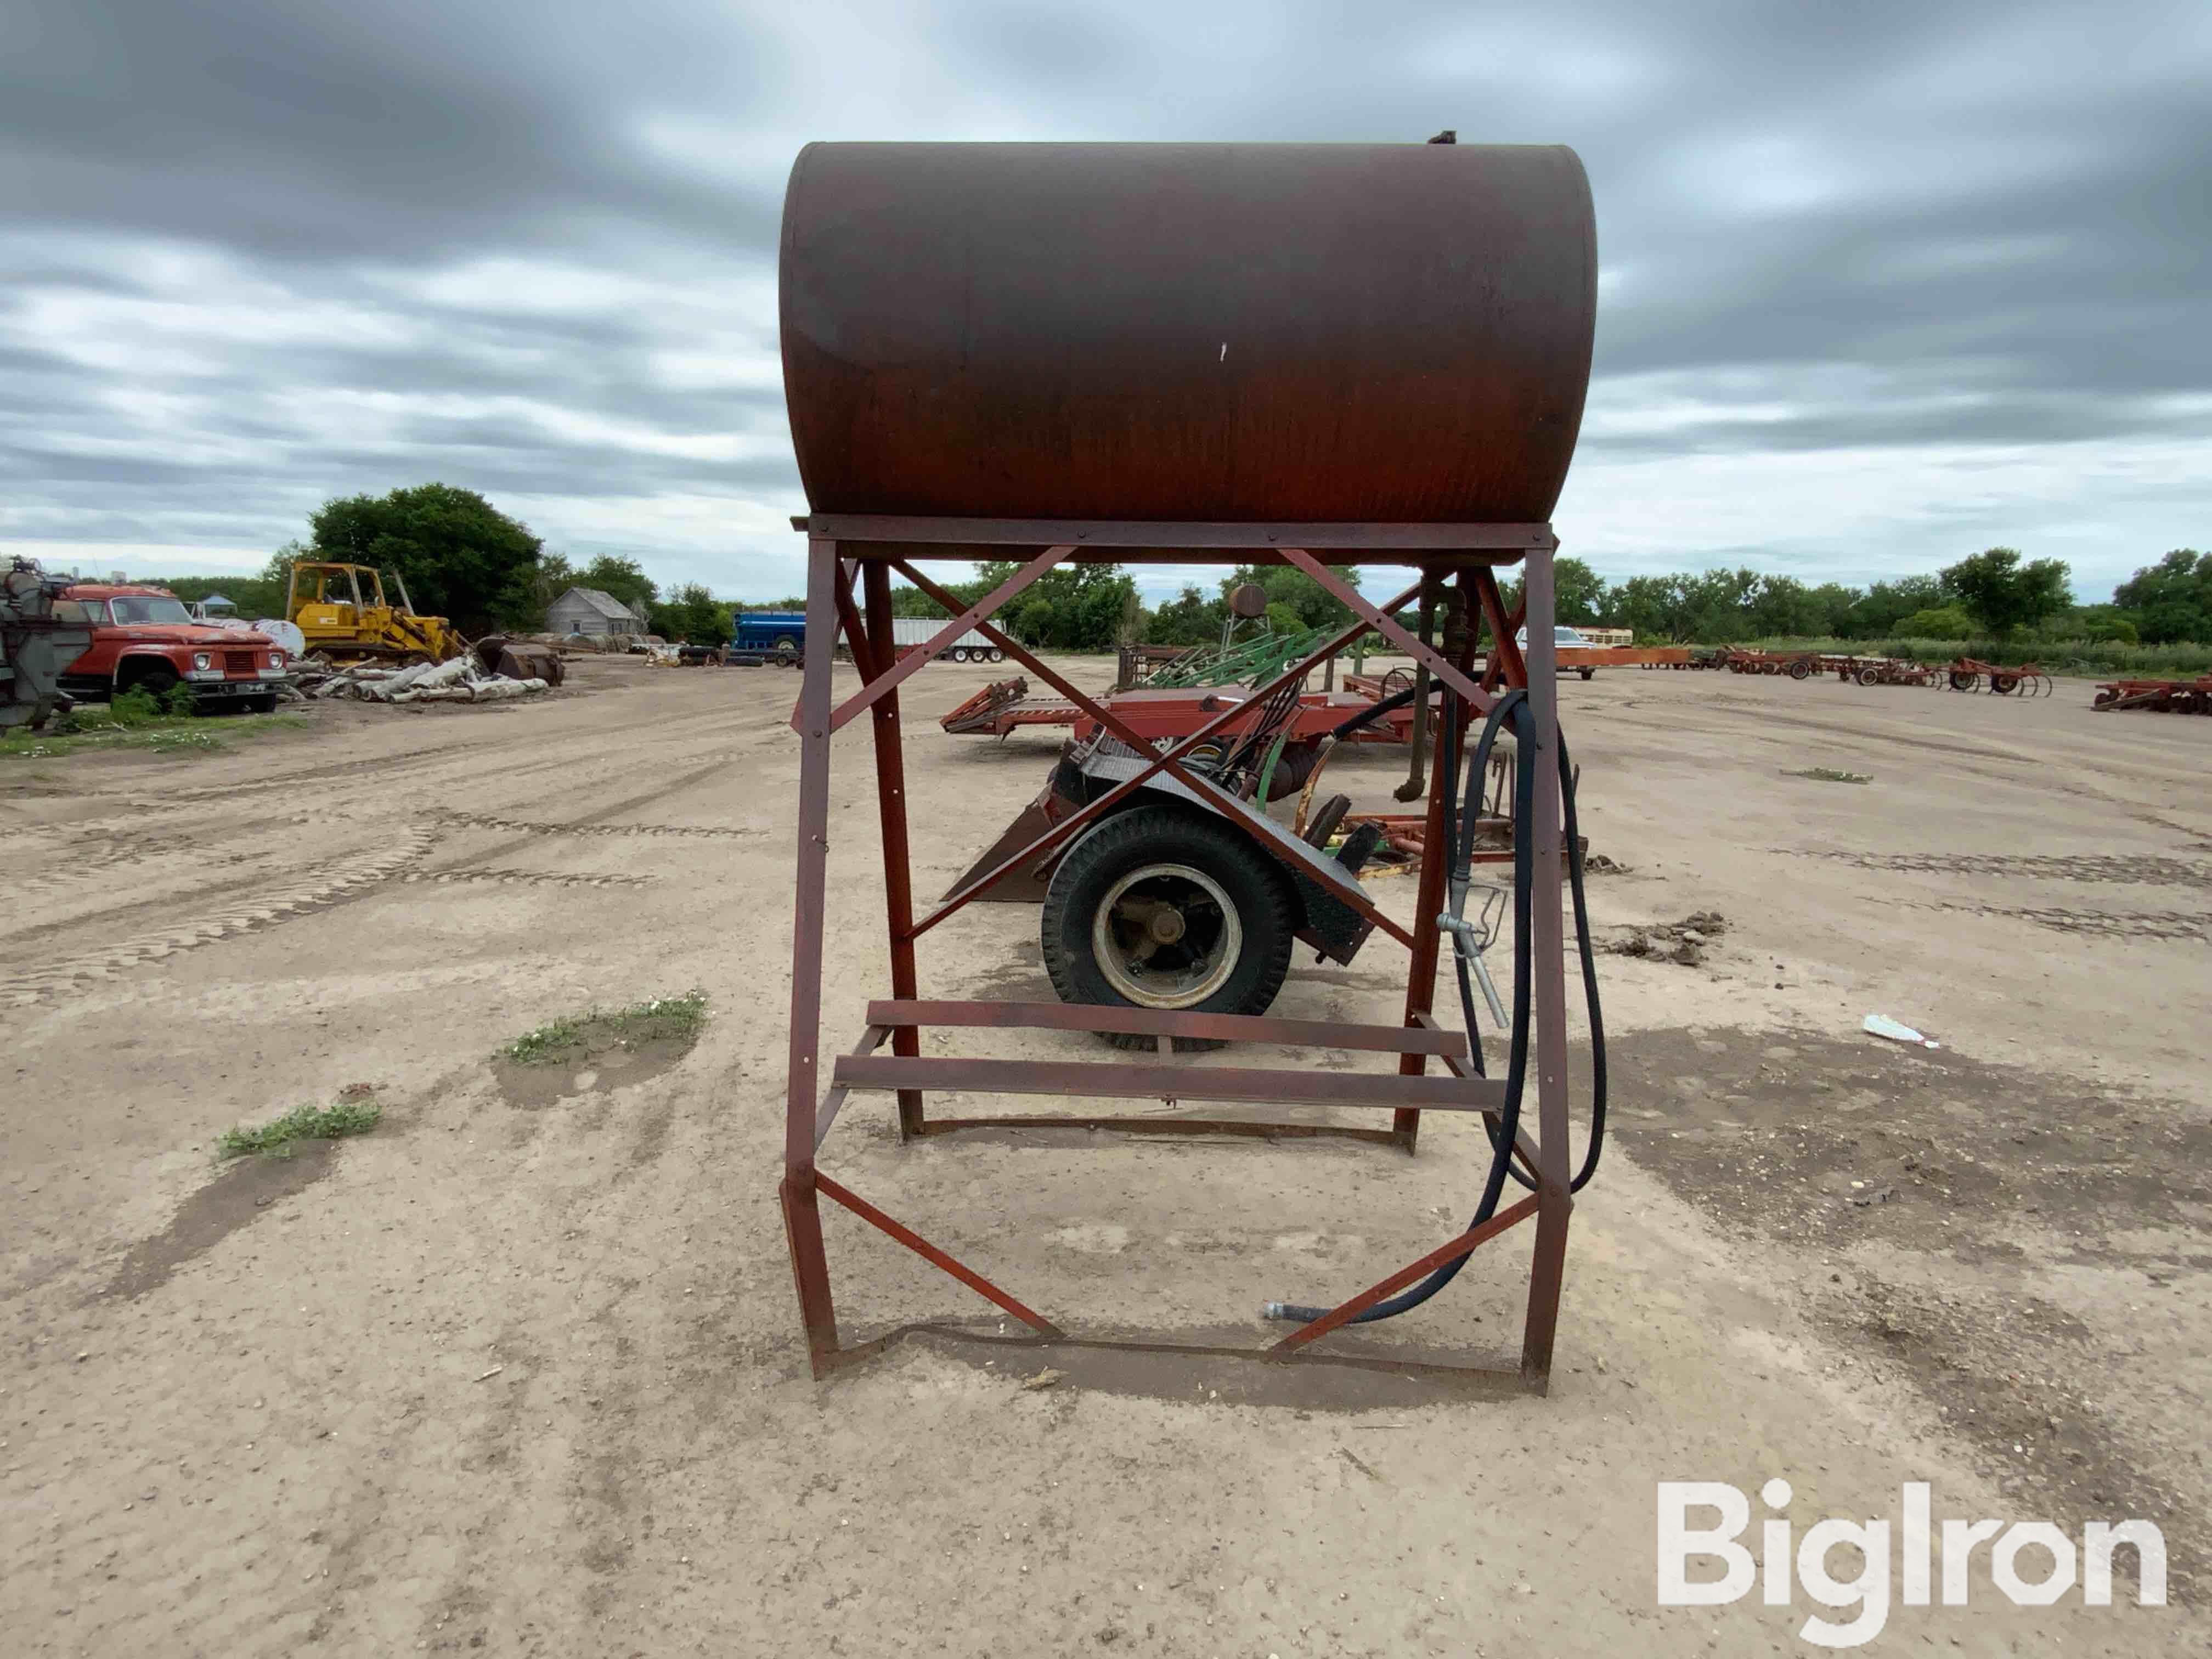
(1319,332)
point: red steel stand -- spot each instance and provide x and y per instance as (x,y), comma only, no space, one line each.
(842,548)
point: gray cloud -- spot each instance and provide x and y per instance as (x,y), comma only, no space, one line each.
(1882,281)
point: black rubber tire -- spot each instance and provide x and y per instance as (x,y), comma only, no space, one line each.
(156,679)
(2003,685)
(1868,676)
(1801,670)
(1324,822)
(1587,673)
(1266,909)
(998,655)
(1964,682)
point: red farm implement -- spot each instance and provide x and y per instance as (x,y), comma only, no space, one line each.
(2027,678)
(1885,671)
(2160,697)
(1797,665)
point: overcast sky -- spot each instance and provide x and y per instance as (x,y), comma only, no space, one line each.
(1884,283)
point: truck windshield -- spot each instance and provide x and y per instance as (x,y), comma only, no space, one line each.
(149,607)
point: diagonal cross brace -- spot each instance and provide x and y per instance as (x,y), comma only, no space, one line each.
(896,673)
(1205,788)
(1505,666)
(1437,662)
(936,1258)
(1067,826)
(1346,1312)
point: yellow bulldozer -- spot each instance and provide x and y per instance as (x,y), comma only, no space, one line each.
(341,612)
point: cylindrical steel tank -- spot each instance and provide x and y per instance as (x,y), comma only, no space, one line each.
(1238,332)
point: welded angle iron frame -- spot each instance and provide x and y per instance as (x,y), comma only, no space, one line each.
(850,562)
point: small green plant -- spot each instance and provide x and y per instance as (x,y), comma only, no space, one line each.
(181,701)
(96,728)
(662,1020)
(135,707)
(351,1115)
(1830,775)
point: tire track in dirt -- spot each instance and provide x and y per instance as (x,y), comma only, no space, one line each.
(94,859)
(2173,926)
(2014,766)
(526,878)
(520,827)
(2141,872)
(316,890)
(590,753)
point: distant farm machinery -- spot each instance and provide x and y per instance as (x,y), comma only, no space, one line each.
(2027,678)
(2160,697)
(1887,671)
(1961,674)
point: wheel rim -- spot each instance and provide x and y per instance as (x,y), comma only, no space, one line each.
(1167,936)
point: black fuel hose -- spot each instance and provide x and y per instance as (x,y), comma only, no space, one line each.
(1373,713)
(1504,1130)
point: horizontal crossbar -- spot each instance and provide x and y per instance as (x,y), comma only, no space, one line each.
(1115,1081)
(1159,1022)
(844,527)
(1168,1127)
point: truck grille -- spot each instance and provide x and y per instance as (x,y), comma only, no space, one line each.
(241,662)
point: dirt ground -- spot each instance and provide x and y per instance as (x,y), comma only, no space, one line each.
(519,1371)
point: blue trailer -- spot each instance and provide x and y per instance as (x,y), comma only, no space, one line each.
(772,633)
(781,637)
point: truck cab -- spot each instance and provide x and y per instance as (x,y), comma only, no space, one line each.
(144,637)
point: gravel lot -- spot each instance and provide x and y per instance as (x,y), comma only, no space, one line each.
(518,1372)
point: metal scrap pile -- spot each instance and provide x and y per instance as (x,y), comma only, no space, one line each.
(461,680)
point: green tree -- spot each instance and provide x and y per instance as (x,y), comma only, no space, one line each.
(1835,605)
(694,615)
(1947,622)
(2003,595)
(1189,618)
(2172,600)
(1782,606)
(2104,622)
(1885,605)
(1578,596)
(1299,594)
(1656,607)
(1069,608)
(459,555)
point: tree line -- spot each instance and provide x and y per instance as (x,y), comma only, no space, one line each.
(463,559)
(1996,594)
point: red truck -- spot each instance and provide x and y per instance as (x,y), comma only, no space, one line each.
(144,637)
